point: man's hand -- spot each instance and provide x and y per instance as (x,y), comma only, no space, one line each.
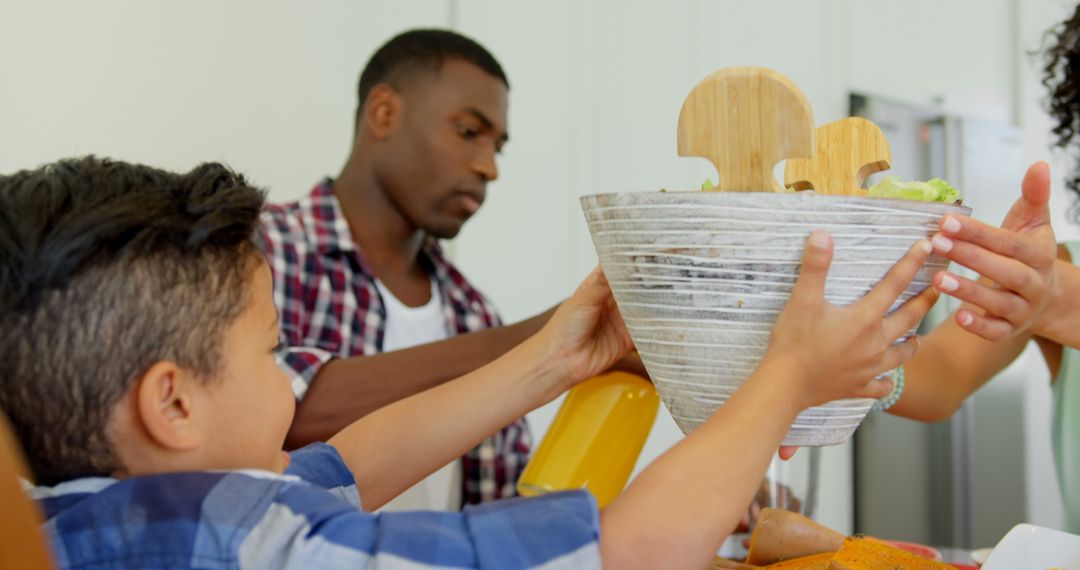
(586,334)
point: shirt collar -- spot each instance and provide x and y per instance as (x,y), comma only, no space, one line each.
(332,229)
(83,485)
(91,485)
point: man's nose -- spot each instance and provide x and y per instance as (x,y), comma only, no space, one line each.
(484,164)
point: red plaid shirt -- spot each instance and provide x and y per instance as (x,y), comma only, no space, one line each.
(330,307)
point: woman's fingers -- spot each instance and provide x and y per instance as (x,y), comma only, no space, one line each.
(1001,303)
(988,327)
(1027,248)
(882,296)
(900,353)
(1016,274)
(817,256)
(1032,209)
(875,389)
(909,314)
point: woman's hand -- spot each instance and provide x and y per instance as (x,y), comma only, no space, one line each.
(1019,258)
(842,349)
(586,334)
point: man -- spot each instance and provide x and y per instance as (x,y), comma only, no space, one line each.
(368,301)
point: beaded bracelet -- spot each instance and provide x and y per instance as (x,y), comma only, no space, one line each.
(898,389)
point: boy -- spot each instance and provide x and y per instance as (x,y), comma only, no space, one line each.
(137,365)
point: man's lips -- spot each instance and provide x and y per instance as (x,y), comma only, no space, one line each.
(471,200)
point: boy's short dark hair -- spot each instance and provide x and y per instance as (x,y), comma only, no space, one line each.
(422,50)
(106,268)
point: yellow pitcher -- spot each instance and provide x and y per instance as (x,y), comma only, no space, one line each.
(595,439)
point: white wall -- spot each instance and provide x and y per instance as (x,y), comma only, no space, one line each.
(265,85)
(596,87)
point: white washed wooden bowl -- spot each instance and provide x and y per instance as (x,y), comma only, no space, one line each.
(700,277)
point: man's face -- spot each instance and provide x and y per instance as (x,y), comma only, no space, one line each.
(435,167)
(251,404)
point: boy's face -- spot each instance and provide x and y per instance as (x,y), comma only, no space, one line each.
(251,405)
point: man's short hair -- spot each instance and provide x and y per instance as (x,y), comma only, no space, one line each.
(422,51)
(106,268)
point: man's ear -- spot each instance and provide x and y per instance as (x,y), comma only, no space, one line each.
(167,401)
(382,111)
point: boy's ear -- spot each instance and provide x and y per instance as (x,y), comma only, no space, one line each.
(382,111)
(166,403)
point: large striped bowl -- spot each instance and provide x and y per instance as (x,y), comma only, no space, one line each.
(700,277)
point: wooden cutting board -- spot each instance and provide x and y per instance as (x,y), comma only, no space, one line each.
(745,120)
(848,151)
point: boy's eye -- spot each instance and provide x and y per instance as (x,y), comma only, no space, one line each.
(278,347)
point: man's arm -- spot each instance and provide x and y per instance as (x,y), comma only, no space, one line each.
(346,389)
(444,422)
(584,337)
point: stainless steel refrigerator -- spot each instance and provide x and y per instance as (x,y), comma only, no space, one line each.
(959,482)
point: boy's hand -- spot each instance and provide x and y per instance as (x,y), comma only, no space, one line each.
(839,350)
(587,333)
(1019,258)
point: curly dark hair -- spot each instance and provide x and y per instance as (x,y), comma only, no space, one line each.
(106,268)
(1061,77)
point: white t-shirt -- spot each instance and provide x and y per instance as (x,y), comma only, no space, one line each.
(407,327)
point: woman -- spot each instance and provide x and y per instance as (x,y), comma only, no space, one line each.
(1030,290)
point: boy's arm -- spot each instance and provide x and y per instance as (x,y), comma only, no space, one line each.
(705,481)
(346,389)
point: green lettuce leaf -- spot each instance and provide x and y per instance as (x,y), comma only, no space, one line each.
(934,190)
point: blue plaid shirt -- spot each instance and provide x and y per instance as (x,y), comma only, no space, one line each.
(308,518)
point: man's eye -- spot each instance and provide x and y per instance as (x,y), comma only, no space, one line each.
(467,132)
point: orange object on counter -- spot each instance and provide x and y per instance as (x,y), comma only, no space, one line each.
(812,562)
(595,439)
(871,554)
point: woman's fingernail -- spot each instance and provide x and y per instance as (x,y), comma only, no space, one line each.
(942,243)
(966,319)
(925,246)
(948,283)
(819,238)
(950,224)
